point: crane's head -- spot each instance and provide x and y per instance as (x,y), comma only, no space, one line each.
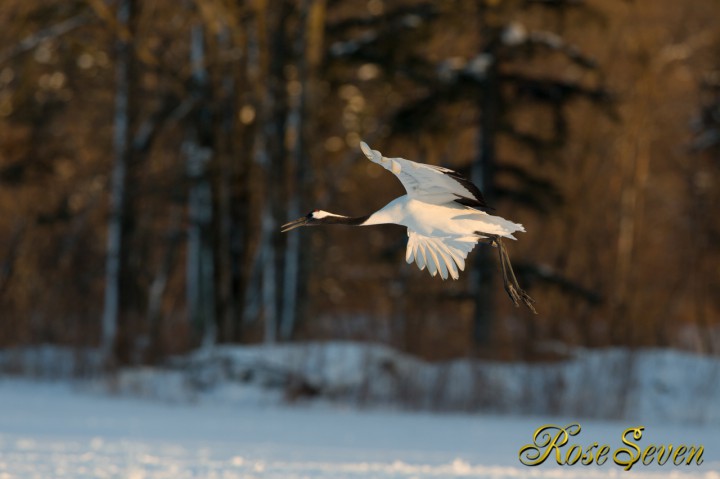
(315,217)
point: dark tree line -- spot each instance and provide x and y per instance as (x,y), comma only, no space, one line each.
(149,153)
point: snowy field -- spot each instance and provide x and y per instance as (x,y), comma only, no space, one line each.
(50,430)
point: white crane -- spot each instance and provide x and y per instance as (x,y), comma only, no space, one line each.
(440,211)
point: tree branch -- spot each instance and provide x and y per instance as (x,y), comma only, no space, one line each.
(36,38)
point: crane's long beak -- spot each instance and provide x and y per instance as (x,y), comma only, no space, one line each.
(294,224)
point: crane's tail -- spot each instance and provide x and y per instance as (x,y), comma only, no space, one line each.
(510,282)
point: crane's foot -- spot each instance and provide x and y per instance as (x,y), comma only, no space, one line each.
(518,295)
(510,282)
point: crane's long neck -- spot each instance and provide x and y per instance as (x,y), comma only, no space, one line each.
(333,219)
(385,215)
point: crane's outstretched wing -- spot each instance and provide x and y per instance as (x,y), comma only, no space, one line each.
(444,254)
(428,183)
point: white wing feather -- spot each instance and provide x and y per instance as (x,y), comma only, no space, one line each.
(428,183)
(443,254)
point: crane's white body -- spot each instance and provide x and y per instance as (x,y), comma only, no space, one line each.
(439,236)
(441,231)
(440,211)
(450,219)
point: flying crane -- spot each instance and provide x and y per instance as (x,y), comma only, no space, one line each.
(443,213)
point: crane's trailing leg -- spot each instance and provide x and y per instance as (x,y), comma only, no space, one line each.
(510,282)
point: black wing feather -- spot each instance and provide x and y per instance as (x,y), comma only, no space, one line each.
(478,201)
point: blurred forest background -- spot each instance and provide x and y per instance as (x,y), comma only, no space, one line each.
(150,150)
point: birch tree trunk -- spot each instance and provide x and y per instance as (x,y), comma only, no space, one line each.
(271,153)
(261,294)
(118,185)
(309,52)
(256,68)
(198,151)
(292,250)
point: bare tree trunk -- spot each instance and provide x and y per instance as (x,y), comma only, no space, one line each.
(290,277)
(483,175)
(199,152)
(700,271)
(253,290)
(269,279)
(631,212)
(118,186)
(159,283)
(296,118)
(225,261)
(634,168)
(256,66)
(261,291)
(260,56)
(309,44)
(271,154)
(7,266)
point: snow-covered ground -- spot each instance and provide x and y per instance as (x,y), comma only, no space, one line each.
(615,383)
(54,430)
(658,385)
